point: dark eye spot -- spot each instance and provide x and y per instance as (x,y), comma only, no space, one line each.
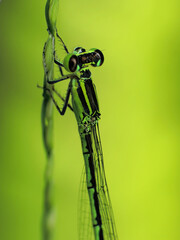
(98,56)
(73,63)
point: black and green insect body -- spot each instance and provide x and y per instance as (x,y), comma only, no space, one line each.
(86,109)
(83,91)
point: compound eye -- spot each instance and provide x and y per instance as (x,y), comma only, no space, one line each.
(73,62)
(98,58)
(70,62)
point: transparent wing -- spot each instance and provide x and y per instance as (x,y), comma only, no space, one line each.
(106,211)
(85,229)
(84,220)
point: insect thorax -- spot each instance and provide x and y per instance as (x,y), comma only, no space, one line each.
(85,73)
(88,122)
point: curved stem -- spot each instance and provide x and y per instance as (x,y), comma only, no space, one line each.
(48,219)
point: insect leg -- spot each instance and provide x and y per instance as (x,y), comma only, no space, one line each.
(65,48)
(62,112)
(59,95)
(65,77)
(60,65)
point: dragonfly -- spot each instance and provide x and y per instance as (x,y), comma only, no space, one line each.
(85,106)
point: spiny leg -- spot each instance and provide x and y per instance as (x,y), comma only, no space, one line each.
(65,48)
(59,95)
(58,80)
(65,77)
(60,65)
(62,112)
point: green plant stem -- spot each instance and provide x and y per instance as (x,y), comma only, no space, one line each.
(48,219)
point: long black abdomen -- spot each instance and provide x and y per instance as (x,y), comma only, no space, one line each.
(89,154)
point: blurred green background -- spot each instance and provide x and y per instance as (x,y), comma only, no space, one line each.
(138,88)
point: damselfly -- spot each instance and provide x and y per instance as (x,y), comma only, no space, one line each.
(86,109)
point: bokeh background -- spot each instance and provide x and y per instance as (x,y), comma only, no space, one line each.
(138,88)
